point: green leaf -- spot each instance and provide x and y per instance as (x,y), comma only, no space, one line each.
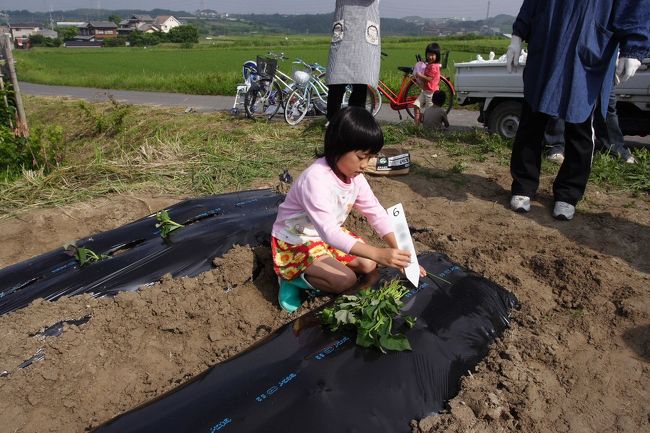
(397,342)
(365,340)
(166,224)
(410,321)
(344,316)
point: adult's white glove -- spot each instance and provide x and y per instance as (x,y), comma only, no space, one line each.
(513,53)
(626,68)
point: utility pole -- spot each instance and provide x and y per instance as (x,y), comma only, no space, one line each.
(487,15)
(6,47)
(51,18)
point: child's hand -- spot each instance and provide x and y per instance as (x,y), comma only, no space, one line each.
(393,257)
(423,272)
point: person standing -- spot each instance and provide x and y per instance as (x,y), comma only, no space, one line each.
(429,81)
(570,65)
(355,53)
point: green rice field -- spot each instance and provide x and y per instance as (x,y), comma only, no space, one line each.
(213,67)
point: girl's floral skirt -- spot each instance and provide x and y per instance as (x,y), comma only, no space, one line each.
(290,260)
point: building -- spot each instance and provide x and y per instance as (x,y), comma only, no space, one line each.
(146,24)
(99,29)
(166,22)
(47,33)
(20,32)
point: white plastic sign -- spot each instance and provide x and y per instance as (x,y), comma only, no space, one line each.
(404,241)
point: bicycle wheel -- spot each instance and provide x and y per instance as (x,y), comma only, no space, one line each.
(297,105)
(412,93)
(319,96)
(263,99)
(373,100)
(446,87)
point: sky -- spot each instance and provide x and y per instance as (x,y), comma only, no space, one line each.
(471,9)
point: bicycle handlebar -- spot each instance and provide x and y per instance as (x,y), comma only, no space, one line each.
(280,56)
(313,66)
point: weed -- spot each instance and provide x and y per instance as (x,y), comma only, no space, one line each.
(459,167)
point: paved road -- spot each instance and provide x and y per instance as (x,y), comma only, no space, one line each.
(201,103)
(458,118)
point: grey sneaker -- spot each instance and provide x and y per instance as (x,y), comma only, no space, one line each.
(557,158)
(520,203)
(563,211)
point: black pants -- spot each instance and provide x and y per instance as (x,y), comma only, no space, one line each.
(526,161)
(335,97)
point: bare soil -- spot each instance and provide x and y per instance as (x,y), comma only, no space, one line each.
(576,358)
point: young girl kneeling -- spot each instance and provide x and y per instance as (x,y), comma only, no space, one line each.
(311,248)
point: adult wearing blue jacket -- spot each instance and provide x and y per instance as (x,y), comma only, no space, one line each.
(571,62)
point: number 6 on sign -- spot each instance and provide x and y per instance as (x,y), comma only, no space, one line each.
(404,241)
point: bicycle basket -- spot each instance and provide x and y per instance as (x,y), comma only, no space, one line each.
(301,77)
(266,67)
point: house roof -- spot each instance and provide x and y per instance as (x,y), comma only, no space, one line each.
(48,33)
(145,27)
(102,24)
(24,25)
(71,24)
(161,19)
(142,17)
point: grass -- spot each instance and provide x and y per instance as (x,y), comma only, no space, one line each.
(159,150)
(610,171)
(117,148)
(215,68)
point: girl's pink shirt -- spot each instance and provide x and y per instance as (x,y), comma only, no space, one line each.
(318,204)
(432,70)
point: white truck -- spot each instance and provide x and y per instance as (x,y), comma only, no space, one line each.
(500,95)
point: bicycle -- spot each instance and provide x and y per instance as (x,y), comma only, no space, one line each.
(249,67)
(268,85)
(310,93)
(409,91)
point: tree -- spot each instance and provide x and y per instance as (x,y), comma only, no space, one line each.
(140,39)
(67,33)
(115,19)
(42,41)
(182,34)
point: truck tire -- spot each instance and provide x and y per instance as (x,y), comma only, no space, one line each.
(504,119)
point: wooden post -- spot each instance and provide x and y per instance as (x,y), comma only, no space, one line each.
(21,122)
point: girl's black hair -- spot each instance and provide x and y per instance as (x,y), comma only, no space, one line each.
(435,49)
(351,129)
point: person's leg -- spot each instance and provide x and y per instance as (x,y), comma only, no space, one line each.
(358,95)
(361,265)
(334,99)
(608,131)
(330,275)
(571,180)
(526,159)
(554,138)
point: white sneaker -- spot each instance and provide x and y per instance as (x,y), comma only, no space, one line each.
(520,203)
(557,158)
(631,160)
(563,211)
